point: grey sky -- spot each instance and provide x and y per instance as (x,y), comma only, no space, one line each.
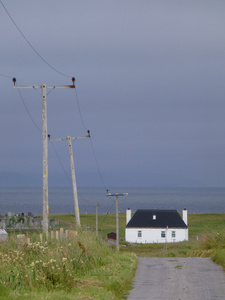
(150,82)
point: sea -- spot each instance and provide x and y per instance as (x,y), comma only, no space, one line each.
(195,200)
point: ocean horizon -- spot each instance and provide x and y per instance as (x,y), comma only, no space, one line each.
(195,200)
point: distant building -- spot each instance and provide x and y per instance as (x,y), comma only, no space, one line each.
(156,226)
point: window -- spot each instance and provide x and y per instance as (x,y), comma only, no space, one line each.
(139,233)
(173,234)
(163,234)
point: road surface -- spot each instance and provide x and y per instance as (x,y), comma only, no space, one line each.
(191,278)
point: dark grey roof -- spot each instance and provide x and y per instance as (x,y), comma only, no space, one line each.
(155,218)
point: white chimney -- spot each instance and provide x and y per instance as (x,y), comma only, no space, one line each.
(185,217)
(128,215)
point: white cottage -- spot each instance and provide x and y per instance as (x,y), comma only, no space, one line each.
(156,226)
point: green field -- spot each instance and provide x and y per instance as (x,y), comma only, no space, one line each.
(86,266)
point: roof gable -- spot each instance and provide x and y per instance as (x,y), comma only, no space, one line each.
(155,218)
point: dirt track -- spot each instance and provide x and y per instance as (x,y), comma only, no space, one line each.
(178,279)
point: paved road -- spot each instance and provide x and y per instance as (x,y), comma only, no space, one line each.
(178,279)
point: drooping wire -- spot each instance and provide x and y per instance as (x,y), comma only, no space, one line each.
(65,172)
(21,97)
(32,47)
(81,117)
(96,162)
(6,76)
(92,147)
(106,215)
(61,164)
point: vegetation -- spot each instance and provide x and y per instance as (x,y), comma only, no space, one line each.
(85,267)
(81,268)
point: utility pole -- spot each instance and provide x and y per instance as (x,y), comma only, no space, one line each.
(75,196)
(45,144)
(96,219)
(117,215)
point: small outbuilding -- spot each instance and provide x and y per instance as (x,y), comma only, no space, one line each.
(156,226)
(111,235)
(3,235)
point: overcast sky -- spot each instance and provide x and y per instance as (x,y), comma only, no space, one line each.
(150,83)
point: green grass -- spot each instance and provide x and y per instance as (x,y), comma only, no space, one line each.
(200,225)
(82,268)
(96,271)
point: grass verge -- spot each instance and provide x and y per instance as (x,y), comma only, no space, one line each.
(82,268)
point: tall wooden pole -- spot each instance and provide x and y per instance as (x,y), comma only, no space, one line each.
(75,197)
(117,216)
(45,144)
(45,159)
(117,224)
(96,219)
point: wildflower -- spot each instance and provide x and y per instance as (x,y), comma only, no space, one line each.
(64,259)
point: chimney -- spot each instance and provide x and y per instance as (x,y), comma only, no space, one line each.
(128,215)
(185,218)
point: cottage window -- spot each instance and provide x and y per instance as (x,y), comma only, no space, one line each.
(173,234)
(139,233)
(163,234)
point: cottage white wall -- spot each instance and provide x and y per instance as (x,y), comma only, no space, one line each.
(153,235)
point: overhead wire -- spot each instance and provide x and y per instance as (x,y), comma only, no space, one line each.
(95,158)
(6,76)
(80,114)
(29,43)
(56,153)
(59,72)
(35,124)
(61,164)
(106,215)
(66,173)
(92,146)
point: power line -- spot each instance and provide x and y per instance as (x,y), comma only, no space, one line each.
(28,112)
(78,105)
(107,213)
(3,75)
(32,47)
(61,164)
(92,147)
(96,162)
(66,174)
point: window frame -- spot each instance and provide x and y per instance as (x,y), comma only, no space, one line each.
(139,234)
(163,234)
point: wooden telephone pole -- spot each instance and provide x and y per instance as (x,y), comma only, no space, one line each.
(75,196)
(117,215)
(44,88)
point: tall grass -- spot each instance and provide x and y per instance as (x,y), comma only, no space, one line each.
(69,266)
(51,265)
(212,245)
